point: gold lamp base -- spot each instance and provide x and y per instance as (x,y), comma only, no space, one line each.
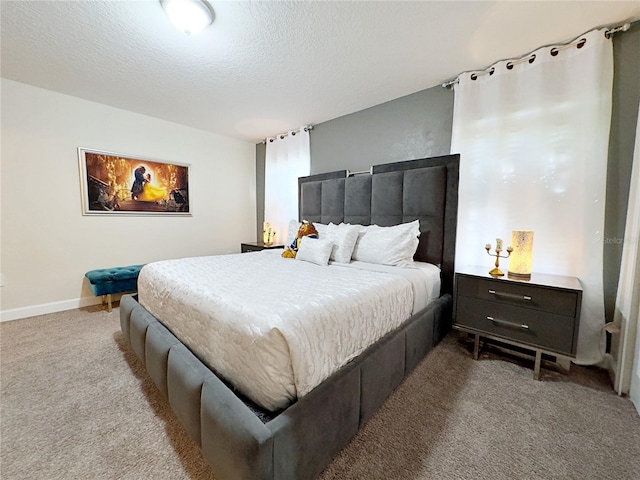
(496,272)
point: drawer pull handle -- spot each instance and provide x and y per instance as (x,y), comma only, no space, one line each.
(510,295)
(523,326)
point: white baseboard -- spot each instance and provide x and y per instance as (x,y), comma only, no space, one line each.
(43,309)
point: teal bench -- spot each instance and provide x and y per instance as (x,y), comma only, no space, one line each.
(107,281)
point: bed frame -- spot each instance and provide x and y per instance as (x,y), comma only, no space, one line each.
(243,442)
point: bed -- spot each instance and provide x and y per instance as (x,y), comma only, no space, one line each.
(239,437)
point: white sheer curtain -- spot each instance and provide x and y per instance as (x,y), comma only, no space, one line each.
(628,299)
(533,143)
(287,158)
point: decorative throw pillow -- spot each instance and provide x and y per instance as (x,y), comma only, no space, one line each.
(314,250)
(388,245)
(306,230)
(343,237)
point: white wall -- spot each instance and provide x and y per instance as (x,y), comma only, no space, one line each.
(48,245)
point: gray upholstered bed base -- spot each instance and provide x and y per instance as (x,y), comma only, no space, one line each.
(299,442)
(303,439)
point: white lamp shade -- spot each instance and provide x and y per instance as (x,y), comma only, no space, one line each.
(521,259)
(190,16)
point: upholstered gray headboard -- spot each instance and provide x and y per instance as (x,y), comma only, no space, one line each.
(393,193)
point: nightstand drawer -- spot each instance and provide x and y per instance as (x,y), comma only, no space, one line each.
(519,295)
(542,329)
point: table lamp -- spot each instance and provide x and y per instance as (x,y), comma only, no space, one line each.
(522,256)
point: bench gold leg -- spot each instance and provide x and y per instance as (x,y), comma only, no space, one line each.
(109,302)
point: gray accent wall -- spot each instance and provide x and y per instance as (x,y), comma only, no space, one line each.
(419,125)
(411,127)
(261,150)
(626,95)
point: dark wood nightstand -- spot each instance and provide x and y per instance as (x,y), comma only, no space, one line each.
(257,246)
(540,315)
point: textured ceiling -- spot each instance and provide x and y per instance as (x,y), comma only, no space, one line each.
(266,67)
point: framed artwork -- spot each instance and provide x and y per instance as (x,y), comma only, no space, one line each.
(117,184)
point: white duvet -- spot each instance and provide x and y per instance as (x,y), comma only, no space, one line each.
(276,328)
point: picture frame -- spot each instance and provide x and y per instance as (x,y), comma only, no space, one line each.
(120,184)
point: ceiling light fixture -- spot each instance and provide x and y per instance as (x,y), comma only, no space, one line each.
(190,16)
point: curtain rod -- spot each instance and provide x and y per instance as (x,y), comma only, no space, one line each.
(306,128)
(530,57)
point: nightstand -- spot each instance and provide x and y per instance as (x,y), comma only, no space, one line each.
(257,246)
(541,315)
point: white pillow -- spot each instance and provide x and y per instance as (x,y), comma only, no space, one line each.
(322,229)
(294,226)
(292,232)
(388,245)
(344,238)
(314,250)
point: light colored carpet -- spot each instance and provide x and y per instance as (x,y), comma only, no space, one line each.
(76,404)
